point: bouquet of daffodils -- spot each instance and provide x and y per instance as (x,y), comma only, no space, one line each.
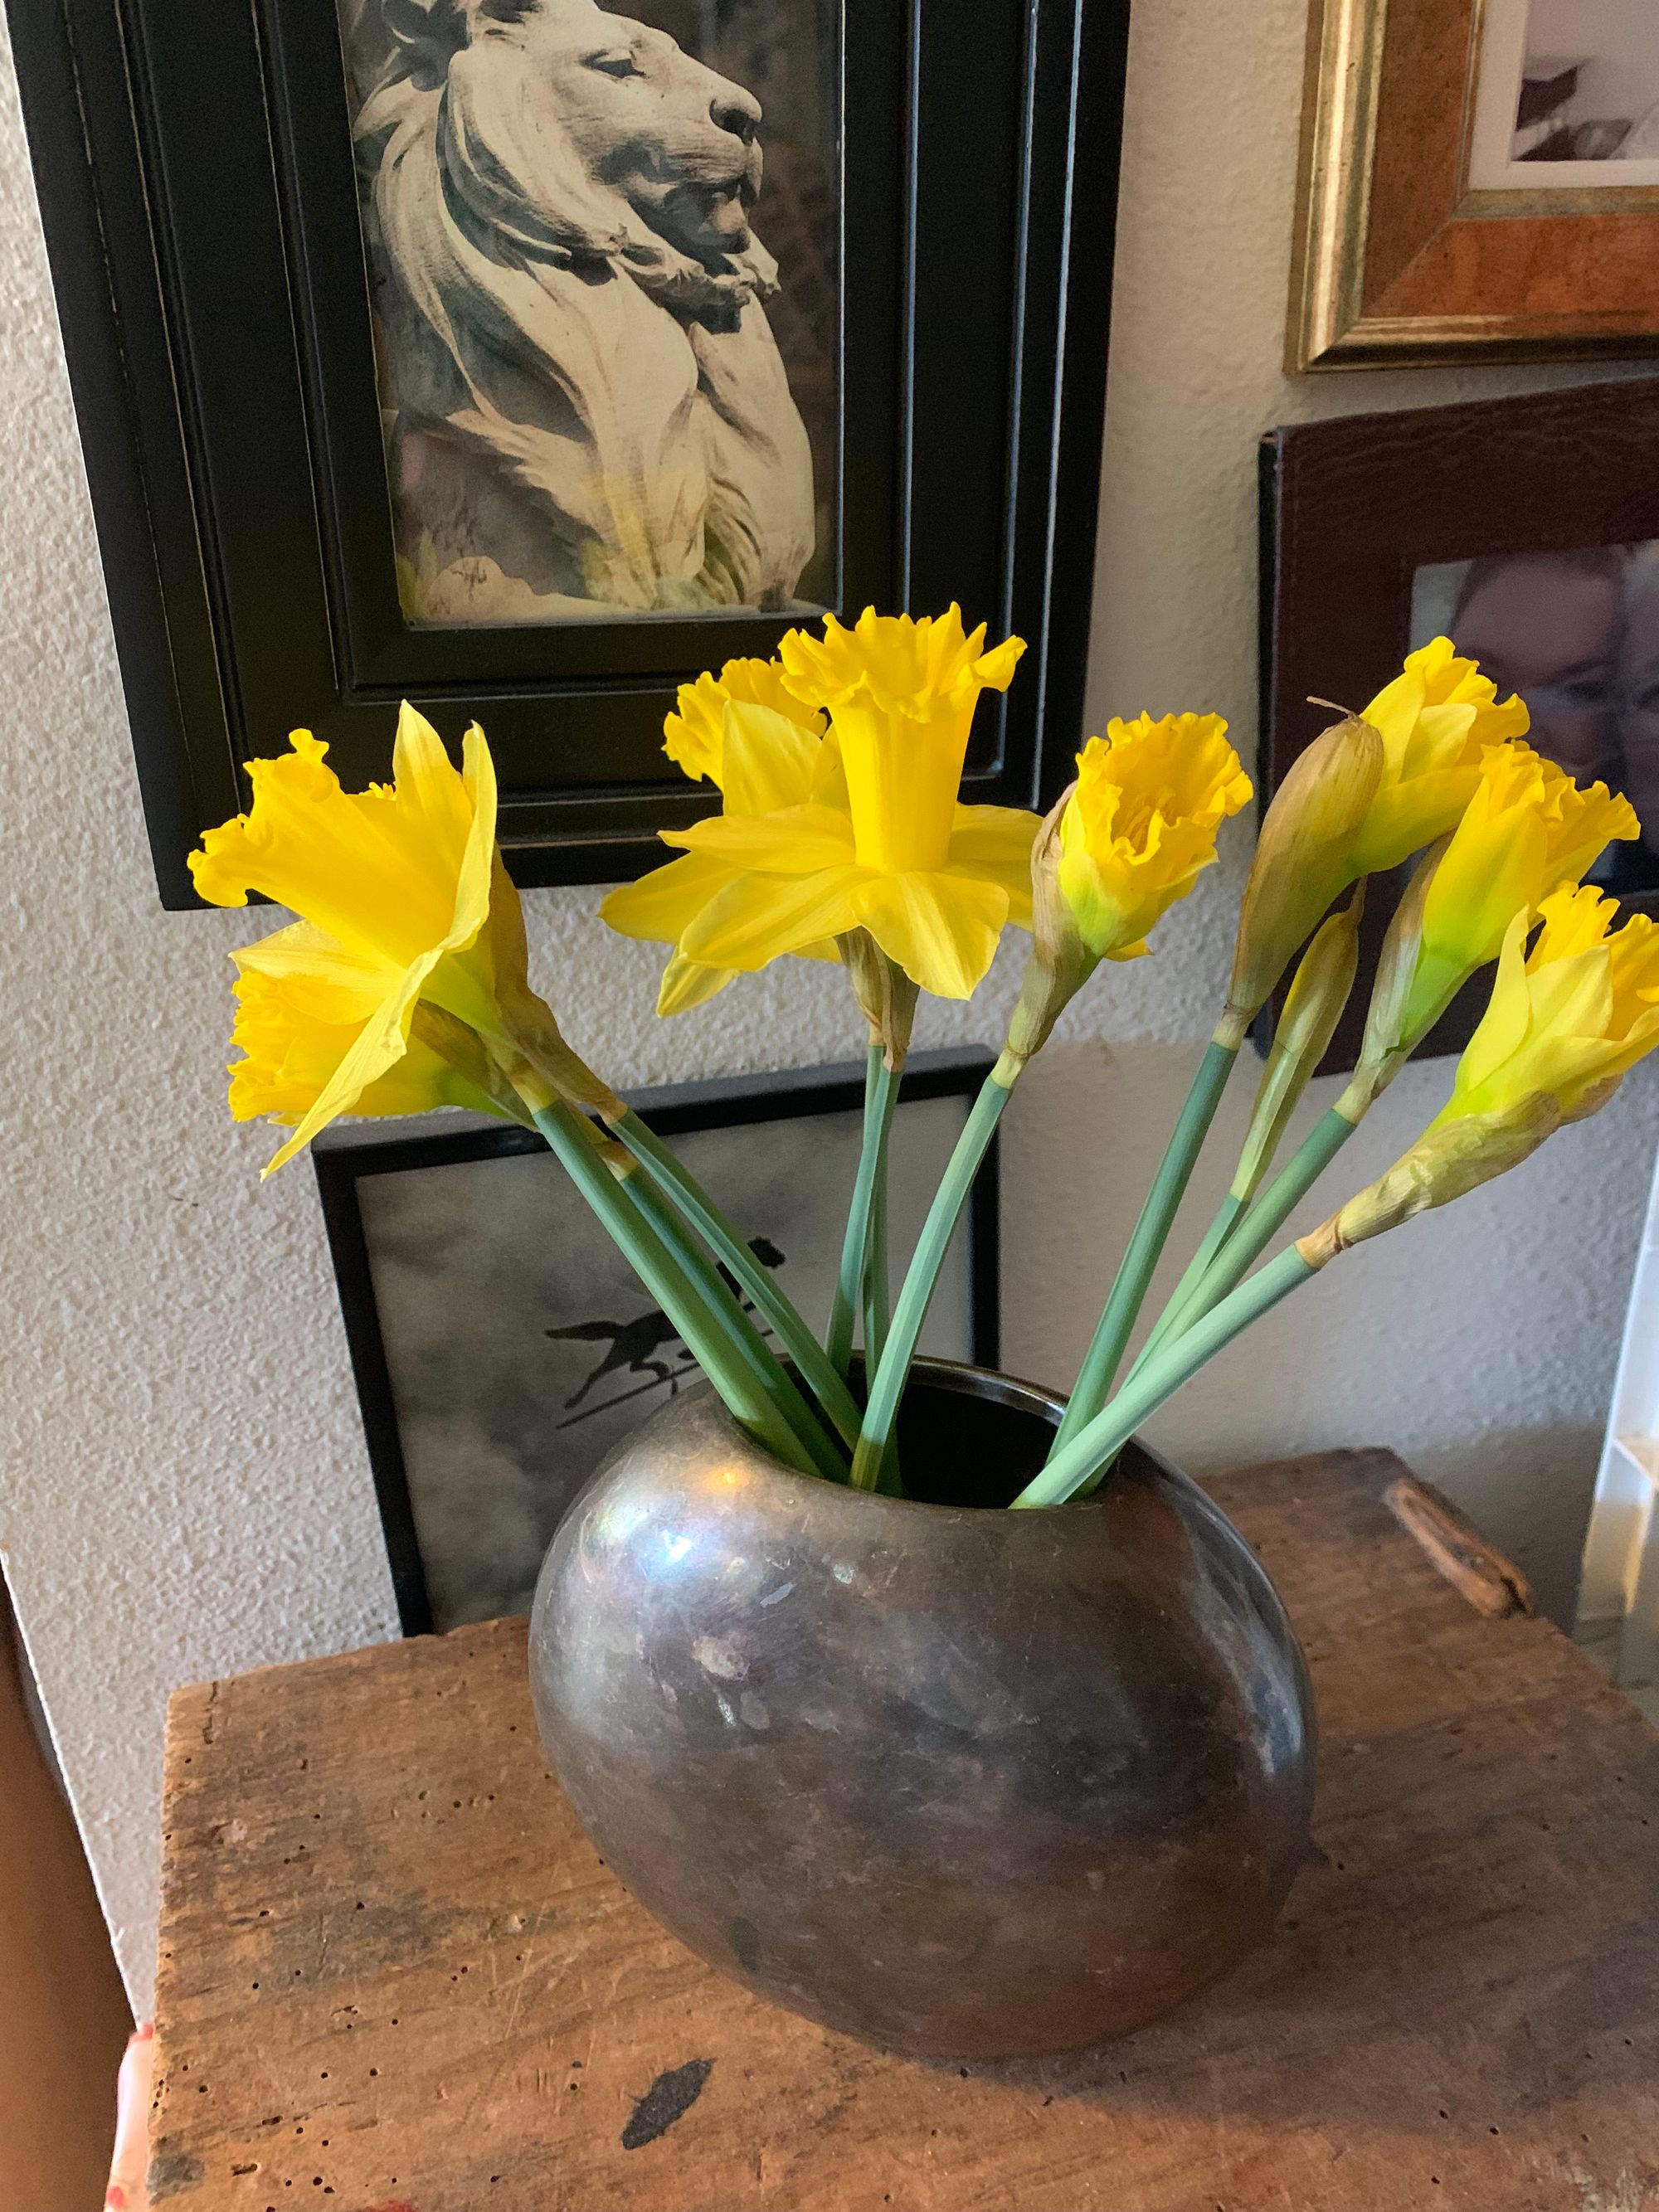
(404,985)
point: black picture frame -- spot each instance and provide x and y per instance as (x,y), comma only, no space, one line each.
(1352,508)
(195,175)
(344,1159)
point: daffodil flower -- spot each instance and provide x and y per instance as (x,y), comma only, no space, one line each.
(1437,720)
(405,899)
(299,1009)
(1527,830)
(1129,838)
(693,735)
(1140,827)
(880,843)
(1567,1018)
(763,761)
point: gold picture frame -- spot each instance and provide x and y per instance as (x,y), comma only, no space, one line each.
(1402,256)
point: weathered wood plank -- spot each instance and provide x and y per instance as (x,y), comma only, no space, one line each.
(394,1975)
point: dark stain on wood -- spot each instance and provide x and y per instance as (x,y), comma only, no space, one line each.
(670,2097)
(172,2171)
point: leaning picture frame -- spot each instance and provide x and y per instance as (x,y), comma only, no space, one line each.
(1527,530)
(501,1346)
(394,383)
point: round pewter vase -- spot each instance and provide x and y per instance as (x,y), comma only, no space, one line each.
(958,1780)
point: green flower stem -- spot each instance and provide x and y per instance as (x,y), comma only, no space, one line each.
(682,1189)
(1270,1212)
(921,1278)
(880,1096)
(877,1282)
(732,1368)
(1100,1364)
(736,1327)
(1180,1298)
(1097,1444)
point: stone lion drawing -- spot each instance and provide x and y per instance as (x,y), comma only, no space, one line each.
(586,407)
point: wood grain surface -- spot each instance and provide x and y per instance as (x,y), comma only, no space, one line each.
(394,1976)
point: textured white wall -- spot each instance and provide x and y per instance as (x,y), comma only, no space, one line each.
(183,1486)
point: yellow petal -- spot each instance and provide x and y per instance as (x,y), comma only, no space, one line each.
(688,983)
(755,918)
(661,904)
(941,929)
(693,735)
(995,843)
(378,1045)
(770,761)
(798,840)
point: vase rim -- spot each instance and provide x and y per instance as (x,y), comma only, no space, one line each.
(969,1380)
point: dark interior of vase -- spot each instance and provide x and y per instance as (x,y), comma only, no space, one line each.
(966,1439)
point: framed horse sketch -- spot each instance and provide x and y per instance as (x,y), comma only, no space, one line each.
(524,357)
(499,1345)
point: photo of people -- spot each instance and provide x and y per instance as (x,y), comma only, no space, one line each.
(1568,95)
(1576,634)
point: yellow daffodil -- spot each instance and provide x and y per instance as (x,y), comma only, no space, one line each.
(1566,1023)
(763,761)
(1435,720)
(1141,825)
(296,1023)
(1129,837)
(877,840)
(1527,830)
(405,899)
(1570,1017)
(693,735)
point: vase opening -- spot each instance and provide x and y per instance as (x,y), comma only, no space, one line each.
(967,1437)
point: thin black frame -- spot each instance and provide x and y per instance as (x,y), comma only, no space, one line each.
(342,1161)
(194,175)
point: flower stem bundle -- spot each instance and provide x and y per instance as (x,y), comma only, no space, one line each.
(403,986)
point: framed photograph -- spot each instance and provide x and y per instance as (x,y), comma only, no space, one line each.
(501,1345)
(1525,530)
(524,358)
(1479,177)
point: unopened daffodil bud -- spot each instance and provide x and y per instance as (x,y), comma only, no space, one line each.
(1435,720)
(1128,839)
(1312,1007)
(1305,858)
(1388,1044)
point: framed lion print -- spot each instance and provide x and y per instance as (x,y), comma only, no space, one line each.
(524,357)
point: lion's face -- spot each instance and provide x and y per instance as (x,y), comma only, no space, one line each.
(674,139)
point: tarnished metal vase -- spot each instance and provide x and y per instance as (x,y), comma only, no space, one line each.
(958,1780)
